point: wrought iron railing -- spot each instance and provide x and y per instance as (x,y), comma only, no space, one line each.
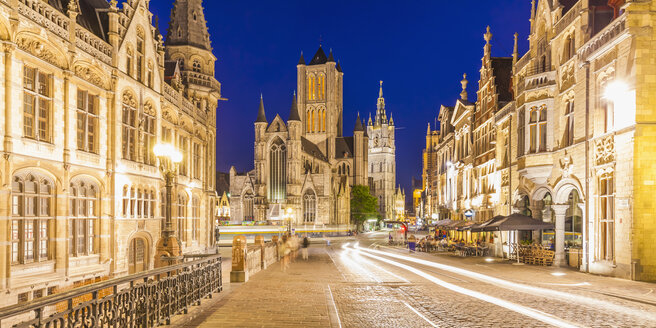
(147,299)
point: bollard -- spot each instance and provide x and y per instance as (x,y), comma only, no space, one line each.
(412,243)
(239,271)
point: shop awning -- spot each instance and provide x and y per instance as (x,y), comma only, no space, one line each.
(518,222)
(443,223)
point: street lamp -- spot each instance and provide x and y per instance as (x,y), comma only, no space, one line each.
(168,247)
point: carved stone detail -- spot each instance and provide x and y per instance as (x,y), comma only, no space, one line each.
(605,150)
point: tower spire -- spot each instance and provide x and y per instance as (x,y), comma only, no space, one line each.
(293,112)
(381,116)
(515,53)
(188,26)
(488,47)
(261,116)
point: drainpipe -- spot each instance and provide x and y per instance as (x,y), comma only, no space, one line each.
(586,229)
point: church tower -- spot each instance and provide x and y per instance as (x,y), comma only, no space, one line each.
(382,158)
(188,45)
(320,100)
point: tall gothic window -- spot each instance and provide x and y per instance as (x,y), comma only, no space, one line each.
(309,207)
(129,127)
(147,134)
(140,54)
(87,121)
(277,171)
(37,100)
(83,208)
(184,149)
(569,124)
(312,91)
(521,132)
(606,217)
(321,87)
(195,220)
(182,217)
(533,128)
(198,161)
(542,125)
(247,204)
(32,215)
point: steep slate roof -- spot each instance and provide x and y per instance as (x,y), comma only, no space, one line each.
(343,145)
(93,15)
(301,61)
(319,58)
(358,124)
(192,32)
(502,70)
(312,149)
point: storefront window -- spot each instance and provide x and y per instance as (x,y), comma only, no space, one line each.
(573,221)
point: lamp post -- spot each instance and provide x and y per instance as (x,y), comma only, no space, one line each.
(168,246)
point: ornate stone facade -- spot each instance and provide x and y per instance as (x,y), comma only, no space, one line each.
(305,167)
(87,92)
(574,145)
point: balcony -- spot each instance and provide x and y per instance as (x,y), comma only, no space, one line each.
(606,38)
(535,79)
(202,80)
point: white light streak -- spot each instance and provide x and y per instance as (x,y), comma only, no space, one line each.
(419,314)
(538,315)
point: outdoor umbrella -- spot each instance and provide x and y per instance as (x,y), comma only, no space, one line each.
(516,222)
(479,227)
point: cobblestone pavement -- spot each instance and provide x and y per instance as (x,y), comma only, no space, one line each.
(376,286)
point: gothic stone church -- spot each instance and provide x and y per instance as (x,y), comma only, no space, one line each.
(305,166)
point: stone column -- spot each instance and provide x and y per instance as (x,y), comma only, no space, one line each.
(560,211)
(536,211)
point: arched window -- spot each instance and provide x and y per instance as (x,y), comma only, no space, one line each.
(195,220)
(309,207)
(321,87)
(569,123)
(137,256)
(129,127)
(312,95)
(542,125)
(182,217)
(32,215)
(247,204)
(323,120)
(313,127)
(162,209)
(521,132)
(130,62)
(277,171)
(308,118)
(37,101)
(571,46)
(82,225)
(197,66)
(140,54)
(574,220)
(533,129)
(147,134)
(87,121)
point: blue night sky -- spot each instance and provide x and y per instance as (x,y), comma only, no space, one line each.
(420,49)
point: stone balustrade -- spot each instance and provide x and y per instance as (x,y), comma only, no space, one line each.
(249,260)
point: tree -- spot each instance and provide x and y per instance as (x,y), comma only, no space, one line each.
(363,205)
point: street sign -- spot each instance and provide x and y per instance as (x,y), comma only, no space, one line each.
(469,213)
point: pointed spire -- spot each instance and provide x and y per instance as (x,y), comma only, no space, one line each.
(301,61)
(428,131)
(370,123)
(358,124)
(391,121)
(261,116)
(532,10)
(381,116)
(463,94)
(339,67)
(293,112)
(331,59)
(188,26)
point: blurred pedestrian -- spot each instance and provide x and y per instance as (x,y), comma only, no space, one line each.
(306,244)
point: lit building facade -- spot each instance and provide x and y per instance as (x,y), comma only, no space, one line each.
(574,145)
(305,167)
(88,88)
